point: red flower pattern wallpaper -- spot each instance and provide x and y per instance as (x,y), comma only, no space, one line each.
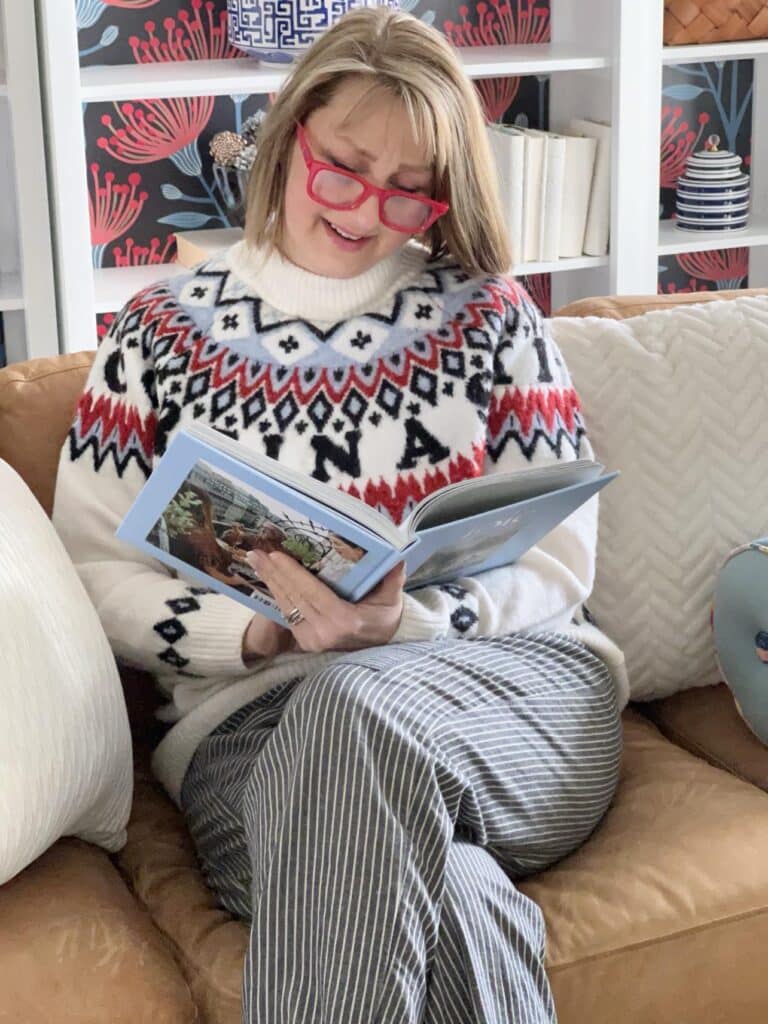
(150,172)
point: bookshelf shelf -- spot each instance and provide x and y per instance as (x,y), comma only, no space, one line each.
(561,266)
(113,286)
(672,240)
(702,52)
(222,77)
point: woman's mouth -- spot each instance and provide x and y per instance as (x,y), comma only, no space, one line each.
(344,239)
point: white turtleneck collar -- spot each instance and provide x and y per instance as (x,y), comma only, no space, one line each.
(300,293)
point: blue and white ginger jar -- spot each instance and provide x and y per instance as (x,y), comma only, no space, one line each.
(278,31)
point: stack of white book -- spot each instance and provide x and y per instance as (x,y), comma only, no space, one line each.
(555,189)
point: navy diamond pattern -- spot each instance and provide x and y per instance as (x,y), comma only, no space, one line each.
(223,400)
(463,618)
(170,630)
(254,408)
(319,411)
(182,605)
(197,386)
(424,384)
(286,411)
(354,406)
(452,363)
(389,398)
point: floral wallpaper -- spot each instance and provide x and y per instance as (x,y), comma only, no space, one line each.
(699,100)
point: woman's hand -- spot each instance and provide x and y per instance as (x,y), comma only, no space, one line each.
(330,623)
(264,639)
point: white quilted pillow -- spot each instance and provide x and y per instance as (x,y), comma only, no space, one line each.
(678,401)
(65,744)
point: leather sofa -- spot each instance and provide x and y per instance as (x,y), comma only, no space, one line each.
(662,916)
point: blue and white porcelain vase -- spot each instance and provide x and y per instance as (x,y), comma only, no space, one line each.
(276,32)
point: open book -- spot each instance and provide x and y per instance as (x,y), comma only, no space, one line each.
(210,501)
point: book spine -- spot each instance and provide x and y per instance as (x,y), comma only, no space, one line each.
(553,197)
(535,172)
(509,155)
(577,185)
(599,215)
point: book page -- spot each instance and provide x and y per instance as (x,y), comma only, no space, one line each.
(482,494)
(497,536)
(333,498)
(214,522)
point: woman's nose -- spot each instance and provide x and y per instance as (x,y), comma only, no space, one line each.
(365,219)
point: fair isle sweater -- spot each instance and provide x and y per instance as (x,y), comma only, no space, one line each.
(387,385)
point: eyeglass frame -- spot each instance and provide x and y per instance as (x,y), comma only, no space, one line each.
(314,166)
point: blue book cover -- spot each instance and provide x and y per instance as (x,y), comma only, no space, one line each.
(210,501)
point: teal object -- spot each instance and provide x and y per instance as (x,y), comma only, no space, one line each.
(740,625)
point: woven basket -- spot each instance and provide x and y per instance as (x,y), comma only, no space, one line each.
(711,21)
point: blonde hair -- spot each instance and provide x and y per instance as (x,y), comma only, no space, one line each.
(418,66)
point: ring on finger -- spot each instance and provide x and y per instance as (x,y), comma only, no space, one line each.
(294,617)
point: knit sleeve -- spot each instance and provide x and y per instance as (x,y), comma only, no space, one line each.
(153,619)
(534,418)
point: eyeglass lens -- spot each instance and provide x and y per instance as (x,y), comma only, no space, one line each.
(340,190)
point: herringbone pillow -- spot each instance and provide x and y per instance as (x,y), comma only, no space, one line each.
(678,401)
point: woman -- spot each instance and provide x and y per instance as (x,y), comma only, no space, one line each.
(365,786)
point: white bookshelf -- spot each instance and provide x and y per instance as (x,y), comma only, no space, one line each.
(672,239)
(605,61)
(703,52)
(114,285)
(221,77)
(27,293)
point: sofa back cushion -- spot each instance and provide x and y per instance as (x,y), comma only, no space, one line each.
(37,402)
(677,399)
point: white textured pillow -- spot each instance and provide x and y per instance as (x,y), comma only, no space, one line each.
(678,401)
(65,744)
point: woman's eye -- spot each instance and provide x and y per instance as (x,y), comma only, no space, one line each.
(341,166)
(422,190)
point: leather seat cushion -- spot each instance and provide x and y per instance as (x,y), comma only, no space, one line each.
(673,885)
(706,722)
(662,911)
(76,946)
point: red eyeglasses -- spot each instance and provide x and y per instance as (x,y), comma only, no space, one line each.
(342,190)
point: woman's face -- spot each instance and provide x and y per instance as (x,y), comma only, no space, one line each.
(376,142)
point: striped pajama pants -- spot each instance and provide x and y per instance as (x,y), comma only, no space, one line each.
(370,820)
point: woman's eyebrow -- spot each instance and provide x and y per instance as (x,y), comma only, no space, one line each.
(369,156)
